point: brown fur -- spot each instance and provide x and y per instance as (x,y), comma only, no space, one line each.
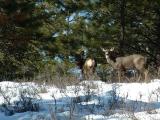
(134,61)
(89,68)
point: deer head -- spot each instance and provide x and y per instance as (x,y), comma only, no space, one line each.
(107,51)
(110,55)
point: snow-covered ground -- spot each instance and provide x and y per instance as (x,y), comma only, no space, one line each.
(89,100)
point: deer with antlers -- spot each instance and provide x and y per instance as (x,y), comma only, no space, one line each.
(121,64)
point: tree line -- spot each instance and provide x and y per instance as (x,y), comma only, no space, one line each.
(33,32)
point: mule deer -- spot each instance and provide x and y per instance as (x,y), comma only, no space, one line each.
(134,61)
(87,66)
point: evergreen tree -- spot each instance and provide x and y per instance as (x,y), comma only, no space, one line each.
(31,31)
(25,29)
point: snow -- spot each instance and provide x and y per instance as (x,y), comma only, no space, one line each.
(89,100)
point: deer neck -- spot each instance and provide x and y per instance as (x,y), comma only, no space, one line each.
(110,61)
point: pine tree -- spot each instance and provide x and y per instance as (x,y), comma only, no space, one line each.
(25,29)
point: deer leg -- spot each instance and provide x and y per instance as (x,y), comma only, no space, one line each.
(119,75)
(125,75)
(139,75)
(84,74)
(88,74)
(143,74)
(146,75)
(135,74)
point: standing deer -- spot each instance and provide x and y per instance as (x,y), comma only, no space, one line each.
(121,64)
(87,66)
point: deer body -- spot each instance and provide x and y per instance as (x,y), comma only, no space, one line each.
(89,68)
(134,61)
(131,61)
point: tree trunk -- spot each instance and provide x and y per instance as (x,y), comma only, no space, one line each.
(122,25)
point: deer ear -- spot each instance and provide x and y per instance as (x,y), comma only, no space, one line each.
(103,49)
(112,49)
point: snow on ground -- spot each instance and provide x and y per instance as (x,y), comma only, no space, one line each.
(89,100)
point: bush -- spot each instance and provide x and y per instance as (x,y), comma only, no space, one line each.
(24,103)
(105,73)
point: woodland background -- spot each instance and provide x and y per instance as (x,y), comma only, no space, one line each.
(35,33)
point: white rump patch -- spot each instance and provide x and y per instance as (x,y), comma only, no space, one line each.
(90,62)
